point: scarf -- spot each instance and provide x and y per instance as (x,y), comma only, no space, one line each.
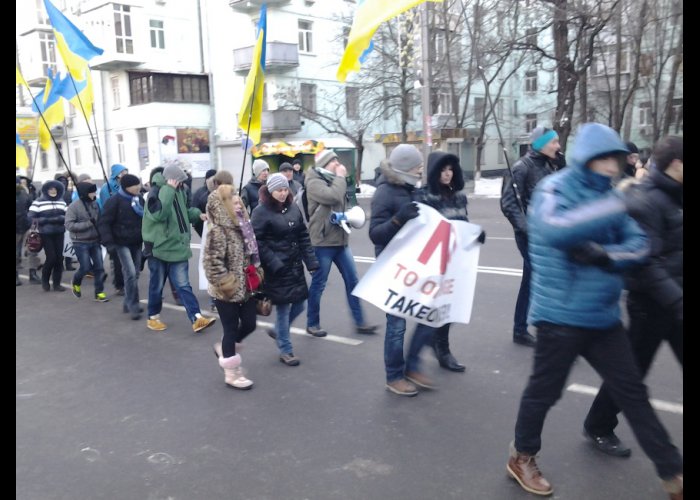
(135,205)
(251,244)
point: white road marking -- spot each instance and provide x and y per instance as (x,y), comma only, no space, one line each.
(656,403)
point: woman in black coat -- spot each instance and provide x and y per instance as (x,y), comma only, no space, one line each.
(283,243)
(50,212)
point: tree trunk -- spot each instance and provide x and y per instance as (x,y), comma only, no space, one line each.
(567,79)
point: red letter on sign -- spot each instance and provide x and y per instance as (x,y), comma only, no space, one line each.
(441,236)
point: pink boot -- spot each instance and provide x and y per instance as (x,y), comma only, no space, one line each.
(233,373)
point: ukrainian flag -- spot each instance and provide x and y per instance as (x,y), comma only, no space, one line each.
(49,103)
(368,16)
(22,158)
(76,94)
(251,108)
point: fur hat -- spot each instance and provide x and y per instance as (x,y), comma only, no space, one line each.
(129,180)
(324,157)
(277,181)
(259,166)
(541,136)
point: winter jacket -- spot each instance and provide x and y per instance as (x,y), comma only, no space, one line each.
(81,221)
(450,201)
(22,203)
(199,200)
(656,203)
(573,207)
(119,225)
(528,171)
(250,194)
(391,194)
(110,188)
(50,212)
(294,186)
(326,193)
(299,176)
(283,243)
(224,259)
(166,222)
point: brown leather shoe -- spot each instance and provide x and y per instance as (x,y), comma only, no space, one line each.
(523,468)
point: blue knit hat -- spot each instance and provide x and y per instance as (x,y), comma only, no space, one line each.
(541,136)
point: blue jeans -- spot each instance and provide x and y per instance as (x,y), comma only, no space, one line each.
(393,347)
(523,303)
(286,314)
(89,257)
(342,257)
(130,258)
(178,273)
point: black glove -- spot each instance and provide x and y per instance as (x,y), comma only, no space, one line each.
(590,253)
(407,212)
(482,237)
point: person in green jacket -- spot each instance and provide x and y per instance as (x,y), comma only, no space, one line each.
(166,237)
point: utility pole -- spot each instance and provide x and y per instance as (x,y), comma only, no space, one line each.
(425,82)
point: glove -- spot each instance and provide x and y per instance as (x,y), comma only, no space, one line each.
(590,253)
(406,213)
(482,237)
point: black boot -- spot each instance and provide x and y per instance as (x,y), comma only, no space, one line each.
(17,281)
(34,278)
(69,264)
(441,345)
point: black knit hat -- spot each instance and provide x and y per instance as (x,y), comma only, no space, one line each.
(129,180)
(632,147)
(210,173)
(285,166)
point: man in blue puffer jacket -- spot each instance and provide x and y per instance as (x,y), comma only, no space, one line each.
(581,239)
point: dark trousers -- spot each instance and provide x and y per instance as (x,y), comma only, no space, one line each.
(523,303)
(650,324)
(238,320)
(610,354)
(53,248)
(116,269)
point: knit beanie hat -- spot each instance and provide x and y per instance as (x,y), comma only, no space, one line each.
(324,157)
(210,173)
(173,171)
(285,166)
(129,180)
(84,177)
(259,166)
(403,158)
(540,136)
(277,181)
(223,177)
(84,189)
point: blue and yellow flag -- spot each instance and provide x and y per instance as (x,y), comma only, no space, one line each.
(250,114)
(74,47)
(76,94)
(22,158)
(50,104)
(368,16)
(19,79)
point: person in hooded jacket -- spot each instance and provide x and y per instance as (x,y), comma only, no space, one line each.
(50,212)
(200,197)
(22,204)
(33,257)
(230,250)
(284,244)
(69,195)
(108,190)
(81,223)
(445,194)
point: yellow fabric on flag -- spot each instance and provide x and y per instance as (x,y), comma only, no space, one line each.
(251,108)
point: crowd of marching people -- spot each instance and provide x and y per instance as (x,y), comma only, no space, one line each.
(583,233)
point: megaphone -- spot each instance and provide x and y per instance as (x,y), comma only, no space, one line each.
(354,217)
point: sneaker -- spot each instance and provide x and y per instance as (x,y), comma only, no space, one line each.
(156,324)
(126,309)
(420,380)
(402,387)
(316,331)
(289,359)
(76,290)
(120,292)
(202,322)
(523,468)
(367,329)
(609,444)
(101,297)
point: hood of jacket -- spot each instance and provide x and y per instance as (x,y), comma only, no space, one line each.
(388,176)
(436,162)
(593,140)
(158,180)
(116,170)
(60,189)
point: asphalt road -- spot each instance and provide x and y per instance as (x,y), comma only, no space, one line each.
(107,409)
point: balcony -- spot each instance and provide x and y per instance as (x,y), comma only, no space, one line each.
(281,121)
(250,5)
(278,56)
(111,60)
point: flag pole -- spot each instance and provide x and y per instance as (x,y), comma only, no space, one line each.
(70,171)
(247,134)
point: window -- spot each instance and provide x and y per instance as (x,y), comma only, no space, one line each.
(75,151)
(645,114)
(116,100)
(41,16)
(352,97)
(120,148)
(122,29)
(305,36)
(444,102)
(48,52)
(499,109)
(515,108)
(530,122)
(157,34)
(531,36)
(440,45)
(478,109)
(44,160)
(531,81)
(308,97)
(165,87)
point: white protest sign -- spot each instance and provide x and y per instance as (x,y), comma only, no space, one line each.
(427,272)
(69,251)
(203,283)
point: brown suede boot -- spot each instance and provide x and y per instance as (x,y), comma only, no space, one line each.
(523,468)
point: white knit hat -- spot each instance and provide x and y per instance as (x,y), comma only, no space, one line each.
(259,166)
(324,157)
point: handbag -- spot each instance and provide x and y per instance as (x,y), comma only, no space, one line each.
(33,242)
(263,305)
(253,278)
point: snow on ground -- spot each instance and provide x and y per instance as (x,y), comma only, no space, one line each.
(366,191)
(488,188)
